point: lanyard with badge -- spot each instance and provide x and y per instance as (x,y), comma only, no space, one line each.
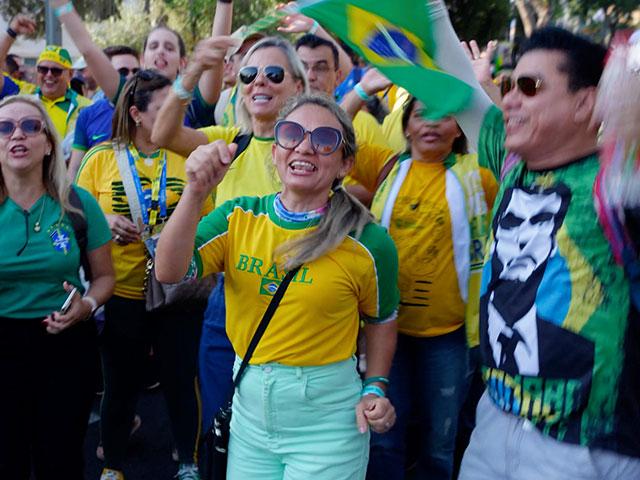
(157,203)
(145,212)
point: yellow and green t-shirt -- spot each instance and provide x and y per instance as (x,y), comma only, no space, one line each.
(317,321)
(421,226)
(392,124)
(64,110)
(99,174)
(368,132)
(252,172)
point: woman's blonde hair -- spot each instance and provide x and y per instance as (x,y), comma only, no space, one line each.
(296,69)
(54,169)
(345,213)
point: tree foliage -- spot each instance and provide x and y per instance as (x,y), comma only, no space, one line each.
(535,13)
(192,18)
(614,13)
(482,21)
(89,9)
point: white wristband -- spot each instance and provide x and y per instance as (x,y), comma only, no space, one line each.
(361,93)
(92,303)
(314,28)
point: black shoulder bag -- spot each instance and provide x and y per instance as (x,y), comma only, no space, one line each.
(217,438)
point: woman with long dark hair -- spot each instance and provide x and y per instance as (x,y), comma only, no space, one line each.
(159,178)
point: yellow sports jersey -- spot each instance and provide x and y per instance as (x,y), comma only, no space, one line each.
(317,321)
(252,172)
(392,131)
(25,87)
(64,110)
(368,130)
(429,223)
(99,174)
(421,228)
(370,160)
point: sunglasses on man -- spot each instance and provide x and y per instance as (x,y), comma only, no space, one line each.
(55,71)
(29,126)
(323,140)
(124,71)
(273,73)
(528,86)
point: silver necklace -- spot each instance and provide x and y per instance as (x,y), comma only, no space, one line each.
(36,227)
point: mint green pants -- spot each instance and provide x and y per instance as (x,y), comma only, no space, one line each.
(295,423)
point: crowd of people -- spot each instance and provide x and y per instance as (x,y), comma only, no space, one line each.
(455,307)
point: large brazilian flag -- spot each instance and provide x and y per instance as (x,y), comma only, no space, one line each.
(395,37)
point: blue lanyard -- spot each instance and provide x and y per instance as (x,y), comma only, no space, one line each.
(158,198)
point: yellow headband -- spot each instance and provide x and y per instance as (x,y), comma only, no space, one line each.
(56,54)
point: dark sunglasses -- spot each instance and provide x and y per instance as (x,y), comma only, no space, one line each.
(55,71)
(144,75)
(274,73)
(29,126)
(324,140)
(124,71)
(528,86)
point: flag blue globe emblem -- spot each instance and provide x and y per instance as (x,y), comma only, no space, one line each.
(379,43)
(60,240)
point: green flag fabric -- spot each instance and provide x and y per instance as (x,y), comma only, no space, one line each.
(395,37)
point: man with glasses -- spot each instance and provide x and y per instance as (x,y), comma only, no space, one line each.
(559,337)
(320,59)
(94,122)
(53,76)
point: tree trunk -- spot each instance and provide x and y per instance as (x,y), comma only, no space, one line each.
(527,15)
(543,12)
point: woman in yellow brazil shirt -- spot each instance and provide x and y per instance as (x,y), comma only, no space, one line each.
(300,410)
(435,203)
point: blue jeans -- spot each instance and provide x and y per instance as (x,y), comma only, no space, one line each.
(427,386)
(216,356)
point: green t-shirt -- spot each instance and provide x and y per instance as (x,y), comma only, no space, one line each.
(34,264)
(555,316)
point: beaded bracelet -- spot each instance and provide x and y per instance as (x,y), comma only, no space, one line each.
(373,390)
(181,92)
(370,380)
(12,33)
(361,93)
(63,9)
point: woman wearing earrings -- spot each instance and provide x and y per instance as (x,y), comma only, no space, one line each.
(159,178)
(48,351)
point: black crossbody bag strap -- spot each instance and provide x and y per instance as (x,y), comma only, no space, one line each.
(264,323)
